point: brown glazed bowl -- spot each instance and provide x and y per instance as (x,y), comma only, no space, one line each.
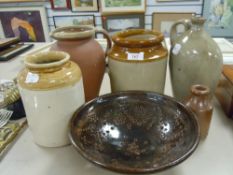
(134,132)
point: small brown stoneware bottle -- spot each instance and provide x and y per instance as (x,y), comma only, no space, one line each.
(200,103)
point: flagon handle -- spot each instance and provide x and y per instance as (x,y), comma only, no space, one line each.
(174,34)
(109,40)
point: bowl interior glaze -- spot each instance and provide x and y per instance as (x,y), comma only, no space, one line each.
(134,132)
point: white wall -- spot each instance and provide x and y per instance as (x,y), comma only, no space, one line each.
(152,6)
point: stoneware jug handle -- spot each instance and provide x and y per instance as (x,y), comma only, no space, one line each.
(174,34)
(109,41)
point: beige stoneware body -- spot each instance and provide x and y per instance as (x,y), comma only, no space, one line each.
(51,88)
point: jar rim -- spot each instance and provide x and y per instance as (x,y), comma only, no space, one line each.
(73,32)
(134,38)
(48,59)
(200,89)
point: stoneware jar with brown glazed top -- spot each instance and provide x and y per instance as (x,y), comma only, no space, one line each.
(200,103)
(138,61)
(80,43)
(195,58)
(51,88)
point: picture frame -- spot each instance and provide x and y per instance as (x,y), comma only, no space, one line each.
(13,1)
(163,21)
(115,23)
(60,4)
(28,23)
(84,6)
(175,0)
(126,6)
(219,23)
(61,21)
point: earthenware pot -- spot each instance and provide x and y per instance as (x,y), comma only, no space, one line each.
(51,88)
(195,58)
(138,61)
(200,103)
(134,132)
(79,42)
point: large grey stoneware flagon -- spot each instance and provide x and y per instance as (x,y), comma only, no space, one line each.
(195,58)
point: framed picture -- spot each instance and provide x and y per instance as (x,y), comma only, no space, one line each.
(163,21)
(115,23)
(113,6)
(84,5)
(61,21)
(22,0)
(27,23)
(175,0)
(60,4)
(219,17)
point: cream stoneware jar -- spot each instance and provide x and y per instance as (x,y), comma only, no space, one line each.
(138,61)
(51,88)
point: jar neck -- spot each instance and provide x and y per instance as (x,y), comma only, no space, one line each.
(73,32)
(73,42)
(200,92)
(47,61)
(137,38)
(49,69)
(197,27)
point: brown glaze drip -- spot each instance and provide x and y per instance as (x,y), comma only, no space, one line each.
(138,38)
(135,41)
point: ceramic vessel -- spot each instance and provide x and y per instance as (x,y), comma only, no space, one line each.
(195,58)
(79,42)
(51,88)
(200,103)
(134,132)
(137,61)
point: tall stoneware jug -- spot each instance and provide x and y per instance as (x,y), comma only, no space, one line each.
(195,58)
(138,61)
(51,88)
(80,43)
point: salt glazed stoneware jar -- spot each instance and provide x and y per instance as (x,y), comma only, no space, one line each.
(195,58)
(51,88)
(138,61)
(80,43)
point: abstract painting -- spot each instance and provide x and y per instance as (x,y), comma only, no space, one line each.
(27,23)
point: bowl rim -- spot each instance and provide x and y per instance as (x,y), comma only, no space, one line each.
(135,170)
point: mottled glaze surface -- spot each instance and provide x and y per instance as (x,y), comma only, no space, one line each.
(134,132)
(195,58)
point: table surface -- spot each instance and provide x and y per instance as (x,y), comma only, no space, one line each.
(214,155)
